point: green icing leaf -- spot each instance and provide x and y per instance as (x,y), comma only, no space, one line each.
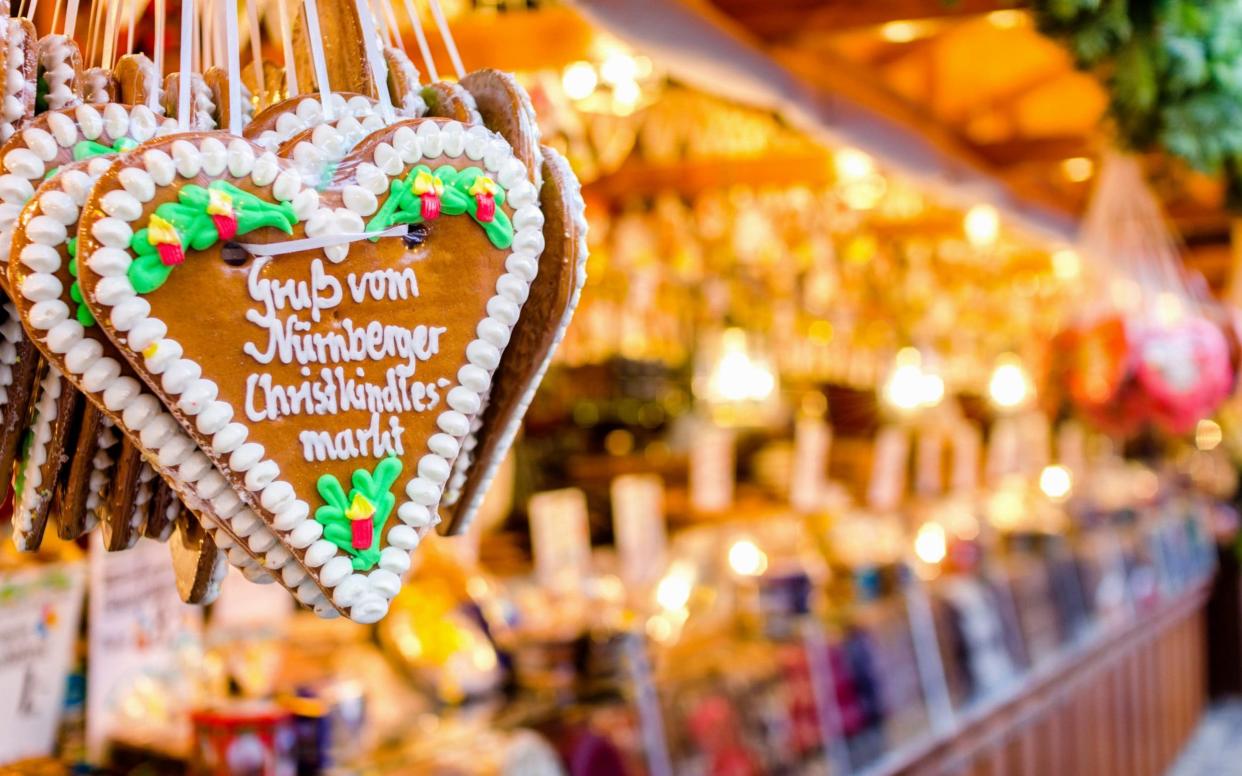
(403,206)
(82,312)
(374,486)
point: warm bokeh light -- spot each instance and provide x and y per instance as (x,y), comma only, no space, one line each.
(851,164)
(1208,434)
(931,543)
(736,376)
(1056,482)
(981,225)
(579,80)
(1078,169)
(619,67)
(1066,264)
(910,387)
(900,31)
(747,559)
(673,591)
(1010,386)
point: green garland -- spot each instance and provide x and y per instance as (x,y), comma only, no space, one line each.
(1173,70)
(371,495)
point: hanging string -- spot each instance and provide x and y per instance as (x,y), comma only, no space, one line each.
(234,66)
(71,18)
(256,49)
(383,12)
(428,63)
(133,18)
(286,43)
(187,65)
(153,99)
(378,65)
(55,17)
(321,67)
(447,35)
(33,5)
(92,32)
(110,36)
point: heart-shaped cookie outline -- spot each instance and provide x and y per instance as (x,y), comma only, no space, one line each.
(45,260)
(20,41)
(364,596)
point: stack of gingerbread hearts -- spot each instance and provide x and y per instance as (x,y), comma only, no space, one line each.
(294,344)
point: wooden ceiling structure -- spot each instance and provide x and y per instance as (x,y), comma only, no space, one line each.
(979,75)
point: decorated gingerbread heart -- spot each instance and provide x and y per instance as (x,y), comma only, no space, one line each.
(59,66)
(351,333)
(18,51)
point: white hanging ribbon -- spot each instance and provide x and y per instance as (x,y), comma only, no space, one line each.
(377,63)
(256,49)
(419,36)
(447,35)
(321,67)
(187,65)
(153,99)
(233,53)
(314,243)
(286,43)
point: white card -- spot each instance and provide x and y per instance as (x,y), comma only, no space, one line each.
(711,468)
(40,607)
(638,524)
(139,631)
(812,442)
(560,538)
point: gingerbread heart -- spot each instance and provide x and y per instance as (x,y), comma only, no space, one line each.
(43,275)
(353,356)
(59,63)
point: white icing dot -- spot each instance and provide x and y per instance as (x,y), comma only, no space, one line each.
(158,431)
(305,203)
(388,160)
(100,374)
(529,240)
(187,158)
(113,290)
(385,582)
(349,590)
(227,439)
(116,119)
(265,169)
(370,609)
(292,575)
(214,417)
(335,571)
(275,495)
(45,315)
(287,185)
(512,172)
(214,155)
(453,423)
(444,445)
(395,560)
(423,491)
(179,375)
(512,288)
(240,158)
(262,541)
(120,393)
(175,450)
(145,333)
(127,313)
(59,205)
(402,537)
(160,165)
(464,400)
(276,556)
(522,194)
(291,515)
(211,485)
(40,287)
(24,162)
(319,553)
(360,200)
(193,468)
(15,188)
(493,332)
(138,183)
(371,178)
(83,355)
(227,502)
(112,233)
(246,456)
(523,265)
(503,310)
(453,138)
(143,124)
(110,262)
(429,134)
(63,128)
(139,411)
(483,354)
(46,230)
(122,204)
(308,592)
(261,475)
(415,515)
(198,395)
(161,355)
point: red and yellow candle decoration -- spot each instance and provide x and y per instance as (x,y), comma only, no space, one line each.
(484,192)
(429,189)
(166,240)
(223,215)
(360,513)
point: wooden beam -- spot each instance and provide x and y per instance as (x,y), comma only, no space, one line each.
(1010,153)
(776,21)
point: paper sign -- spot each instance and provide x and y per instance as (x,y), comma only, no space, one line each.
(967,442)
(638,524)
(928,471)
(888,468)
(560,538)
(40,609)
(711,468)
(139,632)
(812,440)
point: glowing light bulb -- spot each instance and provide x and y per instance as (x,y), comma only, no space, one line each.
(1056,482)
(930,543)
(1078,169)
(1009,386)
(1066,264)
(618,67)
(673,591)
(579,80)
(747,559)
(900,31)
(982,225)
(625,96)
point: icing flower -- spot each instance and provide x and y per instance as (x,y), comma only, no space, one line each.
(428,188)
(163,235)
(484,192)
(425,194)
(360,513)
(220,208)
(355,523)
(199,219)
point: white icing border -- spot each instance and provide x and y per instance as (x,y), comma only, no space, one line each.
(309,113)
(10,335)
(30,499)
(365,596)
(56,63)
(15,84)
(99,374)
